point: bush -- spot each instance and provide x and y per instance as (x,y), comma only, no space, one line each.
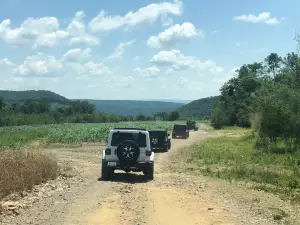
(21,170)
(277,116)
(219,117)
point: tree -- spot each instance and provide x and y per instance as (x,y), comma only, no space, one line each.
(273,63)
(2,103)
(269,94)
(219,118)
(173,116)
(140,117)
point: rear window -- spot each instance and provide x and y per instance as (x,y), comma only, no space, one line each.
(179,127)
(158,133)
(138,138)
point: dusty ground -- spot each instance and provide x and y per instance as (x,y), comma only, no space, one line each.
(171,199)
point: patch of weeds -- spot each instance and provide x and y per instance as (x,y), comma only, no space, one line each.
(238,158)
(21,170)
(67,172)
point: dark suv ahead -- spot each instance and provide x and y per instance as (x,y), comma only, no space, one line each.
(180,131)
(159,140)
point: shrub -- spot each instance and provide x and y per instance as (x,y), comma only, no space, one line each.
(22,169)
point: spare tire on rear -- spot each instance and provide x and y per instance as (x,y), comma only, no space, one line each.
(128,152)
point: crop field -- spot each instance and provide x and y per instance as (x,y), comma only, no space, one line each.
(19,136)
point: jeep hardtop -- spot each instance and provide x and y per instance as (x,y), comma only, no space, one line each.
(191,125)
(128,149)
(180,131)
(159,140)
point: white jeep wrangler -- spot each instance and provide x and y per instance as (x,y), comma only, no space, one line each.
(128,149)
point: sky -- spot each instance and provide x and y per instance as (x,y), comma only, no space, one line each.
(172,49)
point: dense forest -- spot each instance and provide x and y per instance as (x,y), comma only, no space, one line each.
(22,96)
(133,107)
(266,96)
(120,107)
(42,112)
(200,108)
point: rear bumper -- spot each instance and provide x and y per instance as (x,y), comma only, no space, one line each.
(119,166)
(158,148)
(179,134)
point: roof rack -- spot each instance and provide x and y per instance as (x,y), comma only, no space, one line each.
(128,129)
(157,129)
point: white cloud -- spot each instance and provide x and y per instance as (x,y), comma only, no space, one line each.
(127,79)
(77,55)
(46,32)
(39,64)
(147,14)
(78,31)
(92,69)
(127,82)
(166,20)
(181,82)
(87,39)
(174,35)
(36,32)
(75,59)
(112,79)
(189,85)
(6,62)
(149,72)
(120,49)
(264,17)
(50,39)
(178,62)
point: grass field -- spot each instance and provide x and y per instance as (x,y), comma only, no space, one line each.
(18,137)
(22,169)
(236,158)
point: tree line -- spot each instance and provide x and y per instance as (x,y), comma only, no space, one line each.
(265,96)
(43,112)
(200,108)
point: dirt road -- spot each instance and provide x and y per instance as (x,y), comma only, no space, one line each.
(171,199)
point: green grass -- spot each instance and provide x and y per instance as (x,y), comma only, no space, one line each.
(236,158)
(232,128)
(20,136)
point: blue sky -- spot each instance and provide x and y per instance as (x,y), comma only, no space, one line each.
(138,49)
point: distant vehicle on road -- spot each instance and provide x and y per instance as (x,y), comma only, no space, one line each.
(191,125)
(180,131)
(159,140)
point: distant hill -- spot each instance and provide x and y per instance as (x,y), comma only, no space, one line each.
(133,107)
(170,100)
(21,96)
(198,108)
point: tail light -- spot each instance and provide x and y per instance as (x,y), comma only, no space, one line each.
(108,151)
(148,152)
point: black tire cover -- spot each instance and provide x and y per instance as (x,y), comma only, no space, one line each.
(155,140)
(128,152)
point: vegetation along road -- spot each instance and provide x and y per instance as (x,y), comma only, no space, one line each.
(179,194)
(244,170)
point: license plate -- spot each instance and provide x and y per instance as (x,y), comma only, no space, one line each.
(111,164)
